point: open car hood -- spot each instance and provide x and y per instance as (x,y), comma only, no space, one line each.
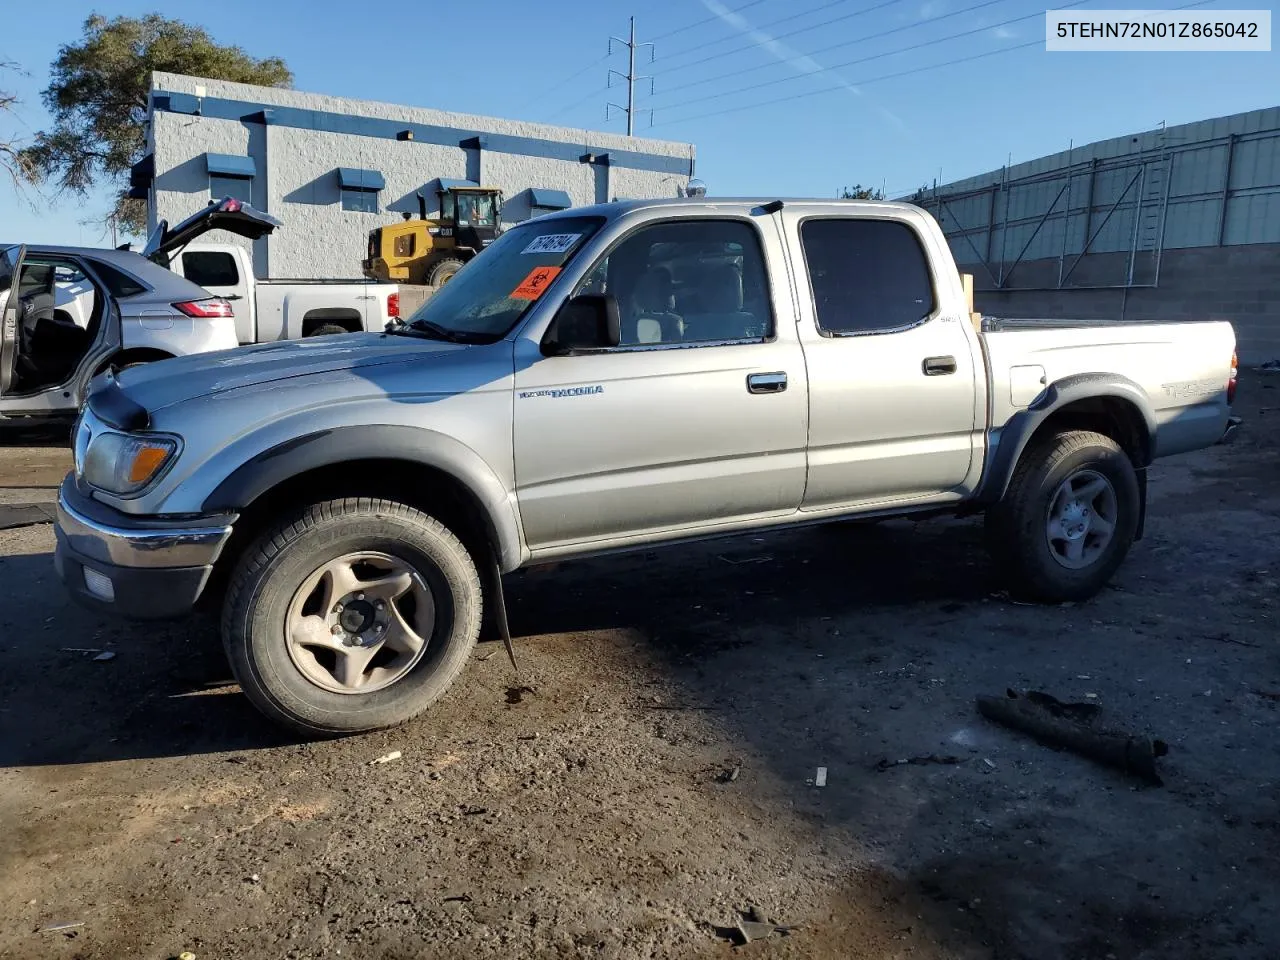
(228,214)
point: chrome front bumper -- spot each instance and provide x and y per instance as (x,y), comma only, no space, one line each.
(139,567)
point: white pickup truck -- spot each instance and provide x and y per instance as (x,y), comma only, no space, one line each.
(268,310)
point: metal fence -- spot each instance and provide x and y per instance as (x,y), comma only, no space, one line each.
(1204,193)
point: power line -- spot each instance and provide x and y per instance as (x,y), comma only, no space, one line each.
(888,76)
(892,76)
(887,53)
(843,43)
(771,23)
(595,63)
(698,23)
(783,36)
(569,79)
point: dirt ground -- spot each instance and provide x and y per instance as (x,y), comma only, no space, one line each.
(589,808)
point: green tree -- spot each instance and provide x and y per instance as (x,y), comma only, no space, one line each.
(10,159)
(97,96)
(859,192)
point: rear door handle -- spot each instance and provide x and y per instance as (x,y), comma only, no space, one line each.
(938,366)
(766,382)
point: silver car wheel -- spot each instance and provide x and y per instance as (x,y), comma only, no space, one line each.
(360,622)
(1081,519)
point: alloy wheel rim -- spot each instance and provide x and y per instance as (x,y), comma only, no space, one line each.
(359,622)
(1081,519)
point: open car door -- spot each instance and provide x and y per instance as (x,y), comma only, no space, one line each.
(10,270)
(234,216)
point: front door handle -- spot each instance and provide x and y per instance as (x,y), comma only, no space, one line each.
(938,366)
(766,382)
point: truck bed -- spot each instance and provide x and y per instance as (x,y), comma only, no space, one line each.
(998,324)
(1181,369)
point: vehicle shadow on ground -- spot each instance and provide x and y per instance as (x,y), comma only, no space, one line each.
(166,689)
(36,434)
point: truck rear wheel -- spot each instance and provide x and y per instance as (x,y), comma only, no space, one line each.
(442,272)
(1068,518)
(353,615)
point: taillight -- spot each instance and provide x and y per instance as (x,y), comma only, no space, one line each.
(206,309)
(393,304)
(1231,383)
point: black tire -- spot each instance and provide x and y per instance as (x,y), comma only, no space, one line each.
(272,570)
(1016,527)
(441,272)
(328,330)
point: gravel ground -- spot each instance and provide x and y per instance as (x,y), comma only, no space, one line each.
(650,775)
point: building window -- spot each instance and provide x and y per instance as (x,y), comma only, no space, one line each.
(359,189)
(231,176)
(547,201)
(238,187)
(359,201)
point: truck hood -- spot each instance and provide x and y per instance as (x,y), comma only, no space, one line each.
(154,386)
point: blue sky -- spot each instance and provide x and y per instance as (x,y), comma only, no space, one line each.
(856,111)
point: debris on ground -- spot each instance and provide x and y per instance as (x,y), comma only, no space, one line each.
(763,558)
(728,776)
(753,925)
(1070,725)
(517,694)
(1273,695)
(106,655)
(386,757)
(62,927)
(820,778)
(925,758)
(1270,366)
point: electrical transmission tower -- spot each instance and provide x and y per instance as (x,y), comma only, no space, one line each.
(630,78)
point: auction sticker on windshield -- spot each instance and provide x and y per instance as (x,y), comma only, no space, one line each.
(531,287)
(552,243)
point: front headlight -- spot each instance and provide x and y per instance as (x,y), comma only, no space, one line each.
(123,464)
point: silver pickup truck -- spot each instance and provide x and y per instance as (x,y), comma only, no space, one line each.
(612,377)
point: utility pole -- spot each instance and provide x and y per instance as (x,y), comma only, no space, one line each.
(630,77)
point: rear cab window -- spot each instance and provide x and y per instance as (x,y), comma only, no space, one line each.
(867,276)
(210,268)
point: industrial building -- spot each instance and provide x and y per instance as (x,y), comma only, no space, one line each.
(332,168)
(1170,224)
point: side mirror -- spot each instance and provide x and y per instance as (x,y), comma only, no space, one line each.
(586,322)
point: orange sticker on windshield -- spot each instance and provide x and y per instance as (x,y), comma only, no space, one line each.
(531,287)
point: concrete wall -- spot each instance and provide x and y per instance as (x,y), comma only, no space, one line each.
(297,157)
(1237,283)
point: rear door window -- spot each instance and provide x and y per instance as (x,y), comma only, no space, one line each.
(866,276)
(118,283)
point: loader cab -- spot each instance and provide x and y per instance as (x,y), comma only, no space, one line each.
(473,212)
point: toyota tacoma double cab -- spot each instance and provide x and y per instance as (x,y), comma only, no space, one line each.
(612,377)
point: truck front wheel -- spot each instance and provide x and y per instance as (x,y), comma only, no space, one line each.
(352,615)
(1068,518)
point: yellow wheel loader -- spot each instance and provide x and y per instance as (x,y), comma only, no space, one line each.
(429,252)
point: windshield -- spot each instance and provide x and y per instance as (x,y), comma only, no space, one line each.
(488,297)
(475,210)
